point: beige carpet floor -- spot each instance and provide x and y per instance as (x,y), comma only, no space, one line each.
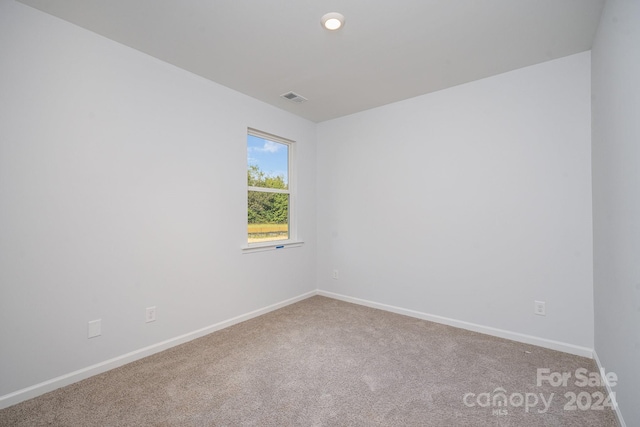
(323,362)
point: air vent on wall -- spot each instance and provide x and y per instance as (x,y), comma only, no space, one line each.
(294,97)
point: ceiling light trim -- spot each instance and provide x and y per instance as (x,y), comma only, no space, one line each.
(332,21)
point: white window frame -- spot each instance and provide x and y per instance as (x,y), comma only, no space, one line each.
(293,240)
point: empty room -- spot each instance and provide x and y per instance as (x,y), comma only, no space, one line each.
(319,213)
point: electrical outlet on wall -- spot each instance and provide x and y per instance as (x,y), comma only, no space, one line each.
(540,308)
(335,275)
(151,314)
(95,328)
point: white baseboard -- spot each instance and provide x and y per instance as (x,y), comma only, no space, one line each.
(81,374)
(501,333)
(70,378)
(610,392)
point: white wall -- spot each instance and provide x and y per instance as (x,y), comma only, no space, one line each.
(122,186)
(616,198)
(468,203)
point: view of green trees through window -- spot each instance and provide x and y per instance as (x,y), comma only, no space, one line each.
(268,190)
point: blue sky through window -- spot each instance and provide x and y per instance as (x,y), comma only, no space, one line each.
(271,157)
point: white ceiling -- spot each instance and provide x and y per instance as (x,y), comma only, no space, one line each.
(388,50)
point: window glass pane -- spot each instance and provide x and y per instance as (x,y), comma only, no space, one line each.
(268,216)
(268,163)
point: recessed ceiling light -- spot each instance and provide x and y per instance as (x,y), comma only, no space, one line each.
(332,21)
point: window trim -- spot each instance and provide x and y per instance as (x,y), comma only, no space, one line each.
(293,240)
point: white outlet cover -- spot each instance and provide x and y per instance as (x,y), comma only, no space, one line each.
(539,308)
(95,328)
(151,314)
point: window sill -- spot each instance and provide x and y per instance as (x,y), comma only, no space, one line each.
(271,246)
